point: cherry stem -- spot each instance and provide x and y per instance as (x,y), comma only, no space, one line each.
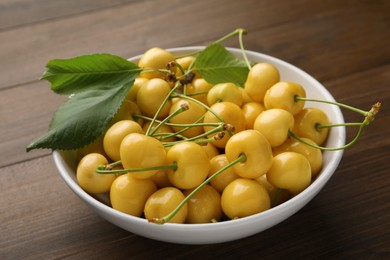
(219,128)
(156,70)
(208,140)
(319,126)
(112,165)
(241,41)
(167,218)
(223,38)
(362,112)
(165,135)
(180,68)
(136,116)
(330,148)
(196,93)
(181,109)
(218,125)
(227,36)
(107,169)
(187,126)
(161,107)
(369,117)
(200,103)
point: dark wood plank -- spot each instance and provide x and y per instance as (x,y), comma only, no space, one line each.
(362,90)
(338,42)
(34,104)
(341,43)
(41,213)
(23,12)
(327,226)
(131,29)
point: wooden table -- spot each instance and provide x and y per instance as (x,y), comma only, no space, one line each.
(343,44)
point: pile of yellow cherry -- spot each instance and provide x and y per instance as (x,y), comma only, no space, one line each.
(182,150)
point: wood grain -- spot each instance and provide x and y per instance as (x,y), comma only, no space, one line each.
(34,113)
(100,32)
(344,44)
(17,13)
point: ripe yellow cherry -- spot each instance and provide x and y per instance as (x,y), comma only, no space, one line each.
(193,114)
(227,92)
(155,58)
(290,171)
(115,134)
(306,123)
(129,194)
(230,114)
(138,83)
(220,181)
(192,165)
(244,197)
(141,151)
(162,131)
(126,112)
(257,151)
(151,96)
(184,63)
(198,89)
(274,124)
(313,155)
(245,97)
(210,149)
(260,78)
(204,206)
(87,177)
(282,95)
(164,201)
(251,110)
(161,179)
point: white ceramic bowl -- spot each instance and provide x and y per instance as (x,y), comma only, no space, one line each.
(233,229)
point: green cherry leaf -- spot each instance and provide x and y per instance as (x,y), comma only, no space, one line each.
(82,118)
(217,65)
(77,74)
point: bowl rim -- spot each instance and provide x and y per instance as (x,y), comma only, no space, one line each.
(300,199)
